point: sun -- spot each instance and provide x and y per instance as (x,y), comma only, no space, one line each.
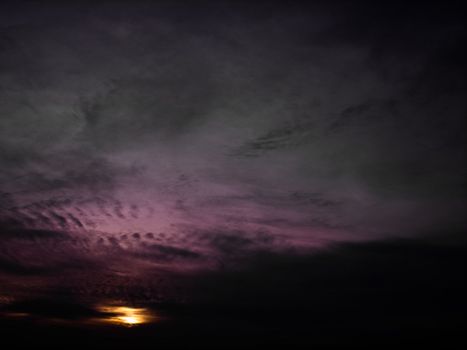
(130,320)
(125,316)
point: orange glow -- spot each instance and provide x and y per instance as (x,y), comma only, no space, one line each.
(126,316)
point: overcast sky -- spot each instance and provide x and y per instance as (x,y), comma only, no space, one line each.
(144,137)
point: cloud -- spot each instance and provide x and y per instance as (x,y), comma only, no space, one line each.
(158,252)
(359,292)
(313,100)
(402,285)
(56,308)
(155,141)
(31,234)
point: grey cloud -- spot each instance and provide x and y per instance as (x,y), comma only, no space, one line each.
(287,136)
(298,101)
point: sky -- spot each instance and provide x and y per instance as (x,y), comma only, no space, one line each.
(232,155)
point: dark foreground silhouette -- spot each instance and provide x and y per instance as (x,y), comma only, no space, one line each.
(386,293)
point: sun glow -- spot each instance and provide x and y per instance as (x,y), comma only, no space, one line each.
(126,316)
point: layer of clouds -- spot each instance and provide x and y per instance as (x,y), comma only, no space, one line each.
(393,290)
(150,137)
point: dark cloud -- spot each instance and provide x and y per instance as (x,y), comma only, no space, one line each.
(352,292)
(57,308)
(31,234)
(285,136)
(237,243)
(389,291)
(158,252)
(15,268)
